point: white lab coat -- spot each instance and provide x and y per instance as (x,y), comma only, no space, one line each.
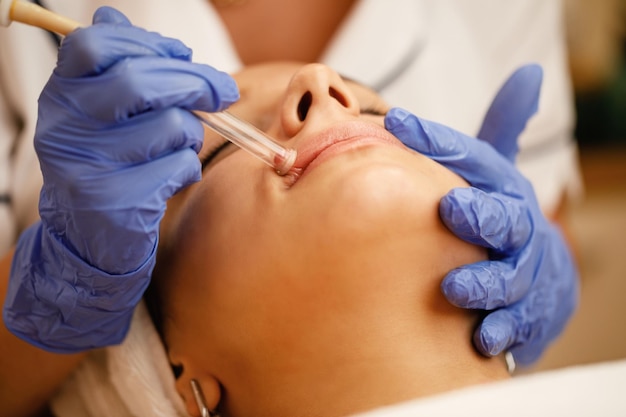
(441,59)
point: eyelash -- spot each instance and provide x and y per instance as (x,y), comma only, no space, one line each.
(373,111)
(213,153)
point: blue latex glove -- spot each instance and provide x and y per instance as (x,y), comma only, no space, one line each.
(530,283)
(115,140)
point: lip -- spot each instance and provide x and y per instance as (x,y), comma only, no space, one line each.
(338,139)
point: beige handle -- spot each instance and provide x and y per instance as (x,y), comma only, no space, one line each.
(34,15)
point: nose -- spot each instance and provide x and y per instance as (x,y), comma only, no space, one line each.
(316,94)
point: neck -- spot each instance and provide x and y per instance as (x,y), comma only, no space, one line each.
(400,368)
(377,332)
(398,358)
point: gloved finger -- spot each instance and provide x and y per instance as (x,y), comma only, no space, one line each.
(516,102)
(145,138)
(106,14)
(131,200)
(505,330)
(132,87)
(536,331)
(167,175)
(156,181)
(476,161)
(496,333)
(525,356)
(92,50)
(490,220)
(528,326)
(486,285)
(153,134)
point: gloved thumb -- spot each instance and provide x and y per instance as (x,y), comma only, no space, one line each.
(496,333)
(516,102)
(92,50)
(110,15)
(428,138)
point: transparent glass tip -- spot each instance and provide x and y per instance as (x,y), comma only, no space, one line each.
(250,139)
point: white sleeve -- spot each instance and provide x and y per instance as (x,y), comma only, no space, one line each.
(446,60)
(504,36)
(23,74)
(513,33)
(533,31)
(8,128)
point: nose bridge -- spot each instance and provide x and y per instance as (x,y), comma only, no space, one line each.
(316,92)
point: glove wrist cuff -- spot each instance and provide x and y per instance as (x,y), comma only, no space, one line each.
(59,303)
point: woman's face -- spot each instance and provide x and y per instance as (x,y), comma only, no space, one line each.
(250,258)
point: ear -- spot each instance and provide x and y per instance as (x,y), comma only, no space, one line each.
(209,385)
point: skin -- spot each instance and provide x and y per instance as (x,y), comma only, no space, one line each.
(301,30)
(30,375)
(278,292)
(314,22)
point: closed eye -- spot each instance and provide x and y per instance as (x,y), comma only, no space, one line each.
(216,151)
(373,111)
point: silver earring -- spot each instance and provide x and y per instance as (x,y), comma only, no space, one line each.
(510,362)
(200,401)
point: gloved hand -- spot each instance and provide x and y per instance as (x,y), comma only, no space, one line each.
(530,283)
(115,140)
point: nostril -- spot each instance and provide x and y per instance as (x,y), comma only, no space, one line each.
(304,105)
(338,96)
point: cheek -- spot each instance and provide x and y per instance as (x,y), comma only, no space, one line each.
(357,201)
(381,210)
(229,224)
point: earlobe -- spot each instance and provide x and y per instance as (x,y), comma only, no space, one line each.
(200,393)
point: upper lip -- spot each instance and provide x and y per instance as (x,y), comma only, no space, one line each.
(312,147)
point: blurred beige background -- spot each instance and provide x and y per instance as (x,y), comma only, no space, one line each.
(597,331)
(597,43)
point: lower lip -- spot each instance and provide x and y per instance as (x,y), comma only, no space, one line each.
(344,146)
